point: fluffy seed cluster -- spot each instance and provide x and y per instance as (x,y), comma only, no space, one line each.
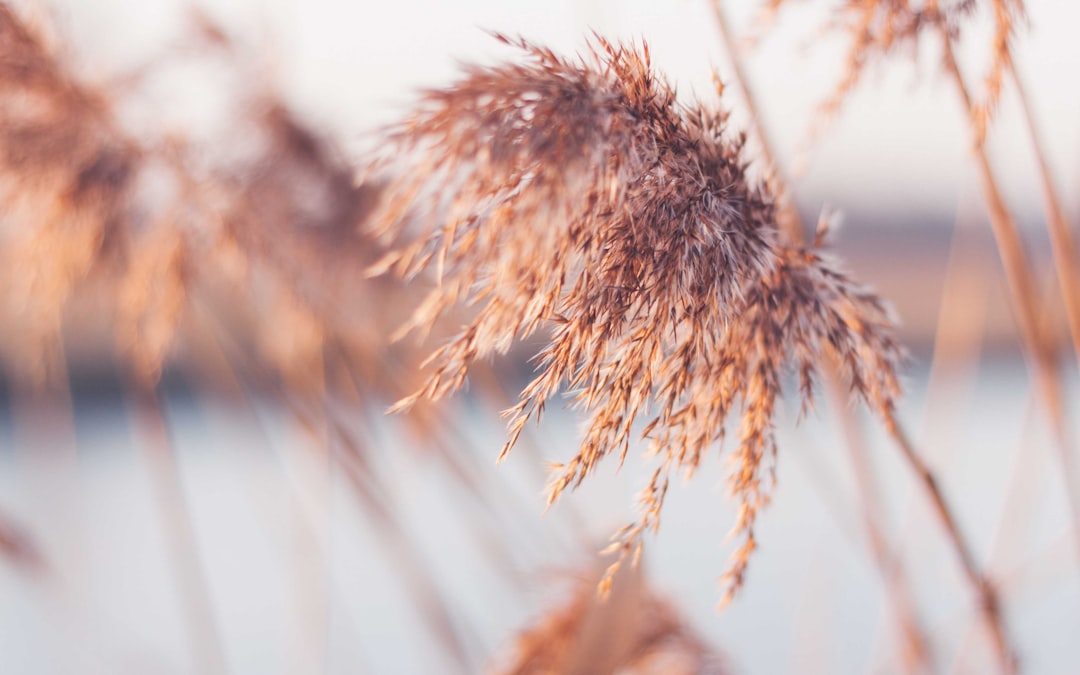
(634,631)
(580,196)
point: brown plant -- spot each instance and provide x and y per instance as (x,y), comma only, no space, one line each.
(158,221)
(581,196)
(636,631)
(878,28)
(64,175)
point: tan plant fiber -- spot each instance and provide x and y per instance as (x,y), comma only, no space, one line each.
(63,184)
(581,197)
(142,223)
(877,28)
(636,631)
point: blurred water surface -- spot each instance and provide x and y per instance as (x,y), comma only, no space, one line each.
(299,575)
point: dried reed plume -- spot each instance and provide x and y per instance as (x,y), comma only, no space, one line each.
(580,196)
(161,224)
(636,631)
(64,174)
(877,28)
(240,257)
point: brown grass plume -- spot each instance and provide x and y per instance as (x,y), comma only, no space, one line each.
(579,196)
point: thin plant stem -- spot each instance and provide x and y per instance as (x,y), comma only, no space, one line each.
(989,603)
(959,335)
(207,649)
(916,650)
(1018,504)
(1020,487)
(1062,244)
(1020,280)
(791,222)
(914,647)
(44,427)
(958,338)
(341,451)
(312,591)
(1040,570)
(495,391)
(380,506)
(961,324)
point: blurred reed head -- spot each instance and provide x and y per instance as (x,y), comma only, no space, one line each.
(174,236)
(878,29)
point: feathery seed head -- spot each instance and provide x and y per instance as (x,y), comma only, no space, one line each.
(582,197)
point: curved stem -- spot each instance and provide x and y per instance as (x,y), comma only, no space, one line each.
(916,650)
(1025,300)
(1062,244)
(791,223)
(989,602)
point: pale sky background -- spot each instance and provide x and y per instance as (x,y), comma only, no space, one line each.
(900,142)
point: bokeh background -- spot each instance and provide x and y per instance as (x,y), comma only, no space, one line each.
(256,512)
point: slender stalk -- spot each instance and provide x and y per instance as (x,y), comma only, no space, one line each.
(916,651)
(207,650)
(1018,273)
(957,342)
(1017,508)
(45,436)
(989,603)
(343,452)
(1067,268)
(1025,300)
(1017,505)
(312,589)
(1062,244)
(791,222)
(961,324)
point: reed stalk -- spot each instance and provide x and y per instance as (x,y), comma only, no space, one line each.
(1024,296)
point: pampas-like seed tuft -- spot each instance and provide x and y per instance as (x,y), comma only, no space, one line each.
(580,196)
